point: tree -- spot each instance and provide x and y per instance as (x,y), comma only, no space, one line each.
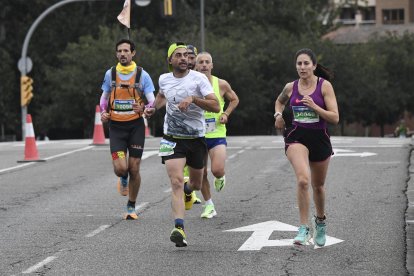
(252,42)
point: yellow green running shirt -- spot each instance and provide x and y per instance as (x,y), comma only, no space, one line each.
(215,129)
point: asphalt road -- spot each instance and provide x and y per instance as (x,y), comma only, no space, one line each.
(64,216)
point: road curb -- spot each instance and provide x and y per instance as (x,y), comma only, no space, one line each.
(409,215)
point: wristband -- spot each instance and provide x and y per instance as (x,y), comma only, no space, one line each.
(277,114)
(227,114)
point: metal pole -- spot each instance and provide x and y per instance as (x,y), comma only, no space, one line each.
(202,24)
(32,28)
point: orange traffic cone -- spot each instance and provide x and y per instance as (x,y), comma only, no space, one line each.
(98,132)
(30,149)
(147,129)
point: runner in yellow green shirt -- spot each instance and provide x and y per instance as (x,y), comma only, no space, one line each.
(215,131)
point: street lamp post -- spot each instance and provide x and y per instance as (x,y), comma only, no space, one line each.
(202,24)
(25,63)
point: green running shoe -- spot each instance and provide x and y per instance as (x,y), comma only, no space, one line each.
(319,231)
(197,200)
(178,237)
(303,235)
(209,211)
(219,183)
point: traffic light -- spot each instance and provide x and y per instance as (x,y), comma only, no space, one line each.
(26,90)
(168,8)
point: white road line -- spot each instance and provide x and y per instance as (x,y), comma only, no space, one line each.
(168,190)
(103,227)
(97,231)
(369,146)
(48,158)
(101,148)
(67,153)
(80,143)
(147,154)
(39,265)
(383,163)
(141,206)
(232,156)
(144,156)
(16,167)
(38,143)
(392,141)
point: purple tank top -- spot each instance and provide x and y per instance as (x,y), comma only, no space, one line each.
(304,116)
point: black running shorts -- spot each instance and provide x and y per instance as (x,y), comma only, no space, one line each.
(317,141)
(128,135)
(194,150)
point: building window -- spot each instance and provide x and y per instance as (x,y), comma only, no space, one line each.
(395,16)
(348,15)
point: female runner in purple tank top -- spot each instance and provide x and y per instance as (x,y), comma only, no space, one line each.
(307,142)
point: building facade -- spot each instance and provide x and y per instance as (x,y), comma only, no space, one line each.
(374,12)
(360,20)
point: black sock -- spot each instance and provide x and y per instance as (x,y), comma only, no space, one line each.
(131,203)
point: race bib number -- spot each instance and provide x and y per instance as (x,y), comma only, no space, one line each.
(123,106)
(210,125)
(166,148)
(304,114)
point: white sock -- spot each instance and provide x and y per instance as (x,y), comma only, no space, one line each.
(209,202)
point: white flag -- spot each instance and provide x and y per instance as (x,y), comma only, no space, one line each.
(125,16)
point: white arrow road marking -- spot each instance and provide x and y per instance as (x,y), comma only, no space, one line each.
(341,150)
(344,152)
(262,231)
(359,154)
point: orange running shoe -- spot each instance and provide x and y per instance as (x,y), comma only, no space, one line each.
(122,186)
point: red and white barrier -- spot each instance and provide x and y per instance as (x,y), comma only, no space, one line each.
(30,149)
(98,132)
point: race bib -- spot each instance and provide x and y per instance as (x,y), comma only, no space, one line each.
(166,148)
(304,114)
(123,106)
(210,125)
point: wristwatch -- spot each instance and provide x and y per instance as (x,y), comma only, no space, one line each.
(277,114)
